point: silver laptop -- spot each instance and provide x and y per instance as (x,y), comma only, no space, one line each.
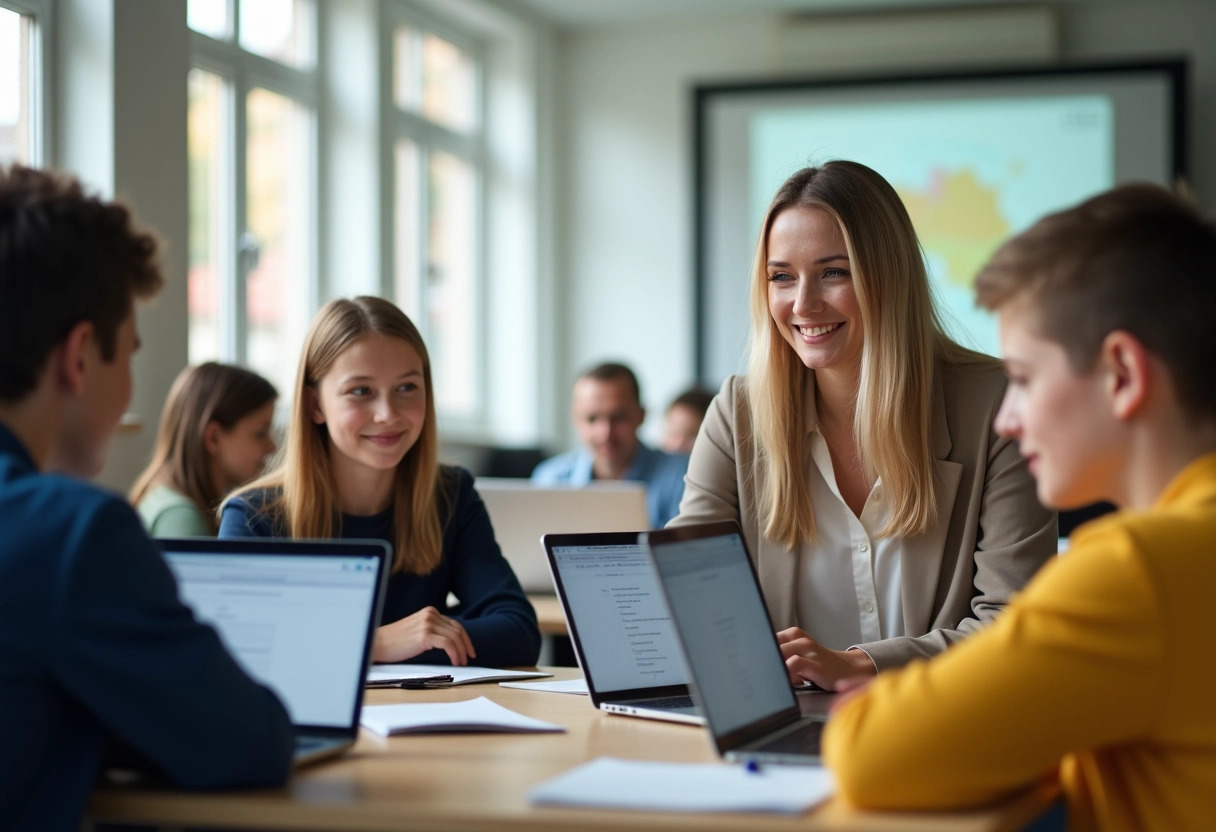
(299,616)
(622,635)
(522,512)
(735,667)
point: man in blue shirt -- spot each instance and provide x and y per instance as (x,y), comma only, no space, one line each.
(98,656)
(607,411)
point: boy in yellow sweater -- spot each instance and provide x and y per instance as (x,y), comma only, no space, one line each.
(1102,672)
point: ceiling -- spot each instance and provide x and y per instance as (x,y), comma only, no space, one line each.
(585,13)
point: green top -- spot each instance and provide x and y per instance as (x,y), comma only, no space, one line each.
(168,513)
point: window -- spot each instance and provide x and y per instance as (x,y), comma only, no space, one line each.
(22,32)
(437,153)
(252,146)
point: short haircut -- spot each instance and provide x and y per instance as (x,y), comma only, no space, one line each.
(65,257)
(614,371)
(695,399)
(1137,258)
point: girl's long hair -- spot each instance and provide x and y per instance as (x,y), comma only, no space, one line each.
(211,392)
(903,340)
(302,493)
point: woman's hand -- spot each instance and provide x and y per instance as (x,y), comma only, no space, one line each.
(424,630)
(806,659)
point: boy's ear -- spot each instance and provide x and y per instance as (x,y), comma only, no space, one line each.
(72,360)
(211,438)
(1128,373)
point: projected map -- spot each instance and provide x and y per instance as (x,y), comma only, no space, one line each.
(969,172)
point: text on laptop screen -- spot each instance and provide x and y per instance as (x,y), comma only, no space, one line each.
(726,632)
(618,611)
(290,621)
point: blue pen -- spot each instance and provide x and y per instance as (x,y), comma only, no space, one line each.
(751,767)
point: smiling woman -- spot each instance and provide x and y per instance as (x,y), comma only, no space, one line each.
(887,518)
(361,460)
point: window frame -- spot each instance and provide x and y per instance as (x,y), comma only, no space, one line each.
(242,71)
(430,137)
(42,37)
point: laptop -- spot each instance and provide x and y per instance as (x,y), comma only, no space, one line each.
(522,512)
(621,633)
(736,671)
(299,616)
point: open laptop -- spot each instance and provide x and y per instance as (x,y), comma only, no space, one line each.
(622,635)
(522,512)
(735,667)
(299,616)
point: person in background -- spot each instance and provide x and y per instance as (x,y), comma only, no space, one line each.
(214,435)
(1098,675)
(98,656)
(683,420)
(362,460)
(886,517)
(606,409)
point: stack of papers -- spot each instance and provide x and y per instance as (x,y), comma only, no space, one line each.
(562,686)
(610,783)
(478,714)
(460,675)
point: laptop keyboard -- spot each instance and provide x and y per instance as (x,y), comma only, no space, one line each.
(668,703)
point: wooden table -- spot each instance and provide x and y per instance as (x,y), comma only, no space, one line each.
(549,614)
(481,782)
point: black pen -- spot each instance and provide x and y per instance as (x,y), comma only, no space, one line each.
(412,682)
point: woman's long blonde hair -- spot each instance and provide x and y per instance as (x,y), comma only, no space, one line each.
(220,393)
(302,493)
(903,340)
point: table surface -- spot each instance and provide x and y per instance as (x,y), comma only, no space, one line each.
(481,781)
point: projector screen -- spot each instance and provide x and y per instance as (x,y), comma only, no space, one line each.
(975,159)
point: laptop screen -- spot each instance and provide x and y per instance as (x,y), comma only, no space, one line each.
(720,615)
(618,616)
(298,623)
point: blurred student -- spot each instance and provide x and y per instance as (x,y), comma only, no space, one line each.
(886,517)
(606,409)
(683,420)
(1100,673)
(97,653)
(362,460)
(214,435)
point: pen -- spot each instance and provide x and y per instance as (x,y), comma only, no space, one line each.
(412,682)
(751,767)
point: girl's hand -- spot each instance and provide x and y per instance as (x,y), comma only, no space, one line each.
(424,630)
(806,658)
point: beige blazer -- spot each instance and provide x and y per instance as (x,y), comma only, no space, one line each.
(991,536)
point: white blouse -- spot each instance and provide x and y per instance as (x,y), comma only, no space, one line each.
(849,589)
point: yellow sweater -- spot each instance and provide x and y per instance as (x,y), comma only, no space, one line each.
(1103,671)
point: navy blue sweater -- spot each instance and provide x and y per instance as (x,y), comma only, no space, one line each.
(493,608)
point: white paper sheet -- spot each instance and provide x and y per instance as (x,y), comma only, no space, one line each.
(478,714)
(611,783)
(562,686)
(460,675)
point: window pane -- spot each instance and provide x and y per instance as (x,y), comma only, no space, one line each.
(210,216)
(209,17)
(281,30)
(406,59)
(15,87)
(451,303)
(449,87)
(277,246)
(408,200)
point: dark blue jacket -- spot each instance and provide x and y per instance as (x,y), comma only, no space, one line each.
(95,647)
(492,608)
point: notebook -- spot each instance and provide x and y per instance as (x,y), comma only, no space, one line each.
(299,616)
(622,635)
(522,512)
(735,667)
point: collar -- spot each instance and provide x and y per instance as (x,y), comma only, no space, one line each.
(12,446)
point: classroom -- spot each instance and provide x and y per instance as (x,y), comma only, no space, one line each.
(554,191)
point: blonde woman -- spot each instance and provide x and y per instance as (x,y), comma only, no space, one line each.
(886,517)
(215,434)
(361,460)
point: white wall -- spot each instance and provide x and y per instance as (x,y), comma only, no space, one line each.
(625,181)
